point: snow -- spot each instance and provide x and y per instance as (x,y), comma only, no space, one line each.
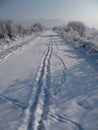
(80,86)
(46,84)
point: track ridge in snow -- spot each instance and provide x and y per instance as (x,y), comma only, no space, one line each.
(13,101)
(63,119)
(37,106)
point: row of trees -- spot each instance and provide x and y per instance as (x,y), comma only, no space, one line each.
(75,32)
(75,26)
(78,33)
(11,30)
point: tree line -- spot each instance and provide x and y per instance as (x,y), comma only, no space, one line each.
(10,29)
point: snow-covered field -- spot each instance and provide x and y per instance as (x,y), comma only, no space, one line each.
(46,84)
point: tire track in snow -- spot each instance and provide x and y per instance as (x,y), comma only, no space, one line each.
(41,125)
(61,60)
(64,67)
(38,101)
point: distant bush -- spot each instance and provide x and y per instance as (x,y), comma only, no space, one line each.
(37,27)
(76,26)
(57,28)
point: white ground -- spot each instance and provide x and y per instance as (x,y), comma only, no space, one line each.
(45,84)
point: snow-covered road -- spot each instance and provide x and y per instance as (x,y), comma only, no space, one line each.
(46,84)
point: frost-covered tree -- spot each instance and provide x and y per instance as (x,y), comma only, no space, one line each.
(10,28)
(3,30)
(76,26)
(20,30)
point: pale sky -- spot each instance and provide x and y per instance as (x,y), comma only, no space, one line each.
(68,10)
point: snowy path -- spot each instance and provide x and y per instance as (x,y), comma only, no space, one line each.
(47,85)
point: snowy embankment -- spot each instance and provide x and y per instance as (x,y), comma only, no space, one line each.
(87,46)
(48,85)
(6,48)
(89,41)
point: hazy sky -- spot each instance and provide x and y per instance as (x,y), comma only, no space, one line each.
(83,10)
